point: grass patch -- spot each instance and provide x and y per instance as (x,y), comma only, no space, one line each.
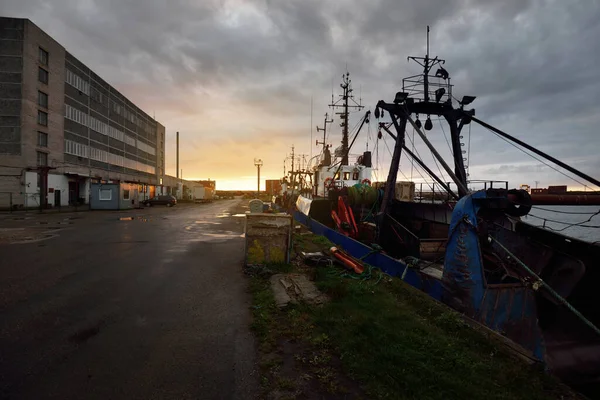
(309,242)
(392,340)
(401,344)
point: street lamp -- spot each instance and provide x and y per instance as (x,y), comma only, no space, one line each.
(258,163)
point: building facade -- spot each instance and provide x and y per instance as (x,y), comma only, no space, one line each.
(62,127)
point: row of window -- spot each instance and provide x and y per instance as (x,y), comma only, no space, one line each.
(80,84)
(131,117)
(42,118)
(144,147)
(81,150)
(129,140)
(98,155)
(84,87)
(98,97)
(77,149)
(77,82)
(75,115)
(80,117)
(124,112)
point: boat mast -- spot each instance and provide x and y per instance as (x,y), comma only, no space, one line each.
(324,129)
(345,99)
(421,95)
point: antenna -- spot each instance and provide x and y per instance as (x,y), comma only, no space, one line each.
(427,41)
(311,124)
(343,102)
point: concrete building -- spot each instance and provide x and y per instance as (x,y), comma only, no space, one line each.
(59,117)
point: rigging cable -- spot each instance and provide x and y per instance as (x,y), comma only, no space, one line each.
(469,153)
(568,225)
(417,152)
(445,137)
(563,212)
(538,159)
(412,162)
(399,170)
(418,155)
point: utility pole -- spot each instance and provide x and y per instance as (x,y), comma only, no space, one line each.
(177,156)
(43,176)
(536,184)
(347,95)
(258,163)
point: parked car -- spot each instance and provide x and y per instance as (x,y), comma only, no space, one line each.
(169,201)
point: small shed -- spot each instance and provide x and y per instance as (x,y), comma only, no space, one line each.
(114,196)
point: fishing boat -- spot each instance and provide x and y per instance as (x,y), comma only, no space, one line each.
(466,246)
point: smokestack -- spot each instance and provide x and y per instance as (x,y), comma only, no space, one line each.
(177,155)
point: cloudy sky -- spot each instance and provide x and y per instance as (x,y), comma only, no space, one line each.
(236,77)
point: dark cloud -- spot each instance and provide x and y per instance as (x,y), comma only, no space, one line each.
(238,69)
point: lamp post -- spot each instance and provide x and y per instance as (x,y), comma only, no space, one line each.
(258,163)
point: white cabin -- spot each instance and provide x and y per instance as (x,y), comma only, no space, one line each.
(357,171)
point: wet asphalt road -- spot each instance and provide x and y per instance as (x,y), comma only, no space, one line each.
(152,308)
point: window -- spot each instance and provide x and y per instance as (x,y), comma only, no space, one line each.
(96,95)
(125,194)
(42,158)
(43,56)
(42,139)
(42,75)
(355,176)
(42,118)
(78,116)
(104,194)
(129,140)
(346,176)
(42,99)
(77,82)
(76,149)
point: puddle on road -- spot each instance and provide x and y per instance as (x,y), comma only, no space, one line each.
(226,215)
(223,236)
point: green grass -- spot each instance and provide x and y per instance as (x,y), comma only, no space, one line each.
(392,339)
(402,344)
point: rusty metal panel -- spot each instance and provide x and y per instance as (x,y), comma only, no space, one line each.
(507,309)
